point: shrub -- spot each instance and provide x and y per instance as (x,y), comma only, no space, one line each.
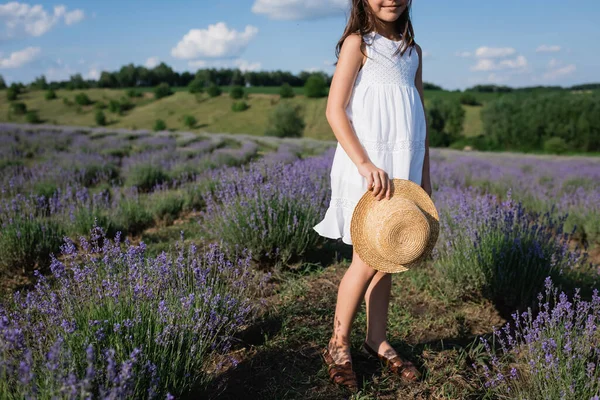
(162,90)
(114,106)
(32,117)
(285,121)
(100,118)
(146,176)
(214,90)
(238,106)
(132,217)
(67,102)
(51,94)
(286,91)
(19,108)
(236,92)
(82,99)
(159,125)
(469,99)
(134,93)
(12,94)
(121,324)
(445,122)
(196,86)
(550,356)
(26,243)
(272,217)
(501,251)
(166,207)
(189,121)
(556,145)
(315,86)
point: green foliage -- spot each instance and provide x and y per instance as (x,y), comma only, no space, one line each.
(556,145)
(100,105)
(82,99)
(159,125)
(286,91)
(286,121)
(146,176)
(12,94)
(132,216)
(525,121)
(236,92)
(189,121)
(100,118)
(469,99)
(50,94)
(134,93)
(238,106)
(196,85)
(162,90)
(32,117)
(214,90)
(2,83)
(26,244)
(166,206)
(67,102)
(445,119)
(19,108)
(315,86)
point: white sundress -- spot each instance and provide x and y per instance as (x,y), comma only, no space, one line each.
(386,113)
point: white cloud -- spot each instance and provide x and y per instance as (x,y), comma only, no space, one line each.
(93,73)
(553,63)
(547,49)
(486,64)
(74,16)
(23,19)
(20,58)
(217,41)
(464,54)
(494,52)
(244,65)
(560,72)
(197,64)
(299,9)
(152,62)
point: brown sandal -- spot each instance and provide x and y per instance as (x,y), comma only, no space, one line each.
(340,374)
(403,368)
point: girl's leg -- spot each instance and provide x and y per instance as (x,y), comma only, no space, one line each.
(377,298)
(351,291)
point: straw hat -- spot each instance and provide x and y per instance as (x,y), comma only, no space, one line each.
(396,234)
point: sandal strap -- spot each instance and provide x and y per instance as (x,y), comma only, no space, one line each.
(340,373)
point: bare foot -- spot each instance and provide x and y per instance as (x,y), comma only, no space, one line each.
(339,350)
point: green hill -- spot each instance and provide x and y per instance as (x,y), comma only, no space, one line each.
(212,114)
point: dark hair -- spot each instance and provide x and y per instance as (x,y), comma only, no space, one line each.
(362,20)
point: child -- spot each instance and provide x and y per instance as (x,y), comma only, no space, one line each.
(376,111)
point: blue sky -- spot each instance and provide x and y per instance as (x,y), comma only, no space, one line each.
(465,42)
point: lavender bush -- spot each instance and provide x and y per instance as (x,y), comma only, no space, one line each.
(269,207)
(552,356)
(499,249)
(112,320)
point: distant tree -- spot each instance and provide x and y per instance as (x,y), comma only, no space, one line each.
(50,94)
(286,91)
(189,121)
(315,86)
(134,93)
(162,90)
(214,90)
(469,99)
(100,118)
(239,106)
(12,94)
(2,83)
(196,85)
(159,125)
(82,99)
(236,92)
(19,108)
(107,80)
(237,78)
(285,121)
(39,83)
(77,82)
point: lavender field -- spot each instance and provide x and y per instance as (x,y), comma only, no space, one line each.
(137,264)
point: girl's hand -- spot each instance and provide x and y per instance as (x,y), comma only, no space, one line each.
(377,180)
(426,185)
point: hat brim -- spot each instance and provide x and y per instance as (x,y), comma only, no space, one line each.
(359,232)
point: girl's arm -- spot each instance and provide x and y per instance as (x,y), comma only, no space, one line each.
(349,63)
(426,179)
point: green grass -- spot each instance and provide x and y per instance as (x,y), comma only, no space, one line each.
(212,114)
